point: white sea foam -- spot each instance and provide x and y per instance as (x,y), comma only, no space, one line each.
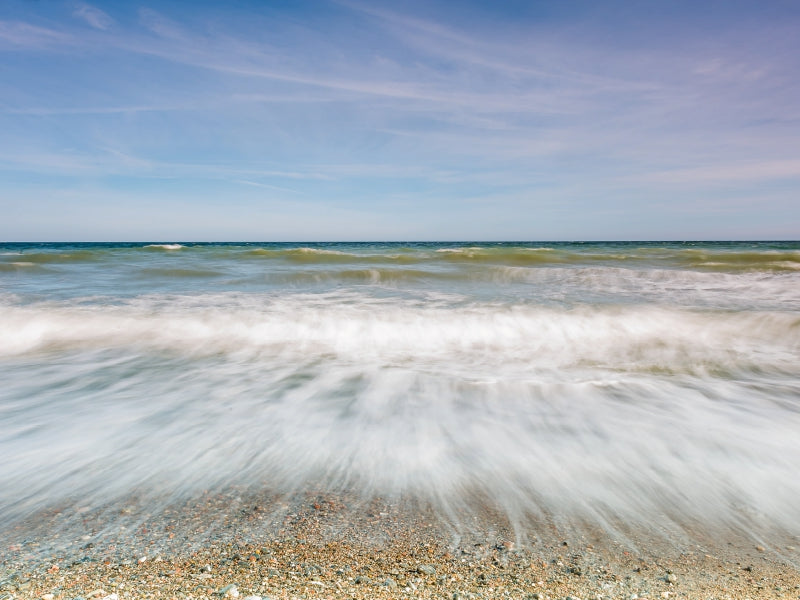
(165,246)
(671,286)
(597,412)
(306,250)
(467,251)
(363,329)
(598,384)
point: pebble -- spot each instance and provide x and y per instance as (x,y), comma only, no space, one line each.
(318,568)
(229,591)
(427,570)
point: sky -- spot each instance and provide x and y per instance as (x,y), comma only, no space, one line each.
(354,120)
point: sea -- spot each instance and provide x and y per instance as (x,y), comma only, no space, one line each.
(655,384)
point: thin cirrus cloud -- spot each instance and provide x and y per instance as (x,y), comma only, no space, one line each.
(93,16)
(730,174)
(25,35)
(370,109)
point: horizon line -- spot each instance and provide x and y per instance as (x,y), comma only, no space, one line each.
(410,241)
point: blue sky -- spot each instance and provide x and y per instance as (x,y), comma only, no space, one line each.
(353,120)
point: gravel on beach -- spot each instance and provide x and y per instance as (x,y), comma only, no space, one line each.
(299,569)
(319,550)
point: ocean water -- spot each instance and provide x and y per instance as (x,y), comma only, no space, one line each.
(644,383)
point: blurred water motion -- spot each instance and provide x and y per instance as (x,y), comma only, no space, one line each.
(596,382)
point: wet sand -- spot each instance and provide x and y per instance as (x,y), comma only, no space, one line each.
(332,546)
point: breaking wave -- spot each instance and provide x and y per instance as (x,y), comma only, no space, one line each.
(654,385)
(630,412)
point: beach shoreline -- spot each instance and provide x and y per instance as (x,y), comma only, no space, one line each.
(401,420)
(333,546)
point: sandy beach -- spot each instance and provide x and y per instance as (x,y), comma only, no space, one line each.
(331,546)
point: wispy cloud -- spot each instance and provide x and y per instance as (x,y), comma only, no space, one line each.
(266,185)
(356,101)
(26,35)
(728,174)
(46,111)
(113,161)
(93,16)
(161,25)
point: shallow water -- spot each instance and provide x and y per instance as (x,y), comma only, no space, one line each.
(591,382)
